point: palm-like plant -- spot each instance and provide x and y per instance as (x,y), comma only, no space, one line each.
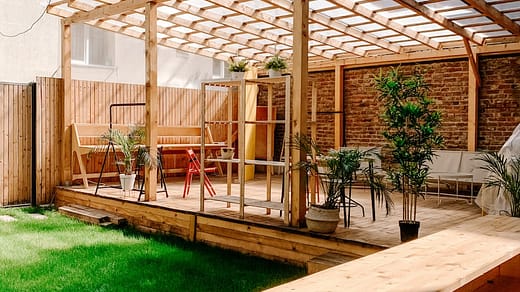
(504,174)
(337,168)
(131,146)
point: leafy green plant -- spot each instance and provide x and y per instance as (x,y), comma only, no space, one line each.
(237,65)
(276,63)
(505,174)
(131,146)
(336,169)
(411,130)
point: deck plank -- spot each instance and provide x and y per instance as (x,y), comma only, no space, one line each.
(444,261)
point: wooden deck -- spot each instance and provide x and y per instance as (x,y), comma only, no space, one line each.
(383,232)
(482,254)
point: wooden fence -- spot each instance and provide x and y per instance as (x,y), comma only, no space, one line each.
(91,101)
(15,148)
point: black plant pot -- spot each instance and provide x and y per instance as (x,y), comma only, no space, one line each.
(409,230)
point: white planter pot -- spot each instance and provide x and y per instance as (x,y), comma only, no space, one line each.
(227,152)
(322,220)
(274,73)
(127,181)
(237,75)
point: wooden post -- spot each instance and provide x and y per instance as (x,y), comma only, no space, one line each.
(152,100)
(299,105)
(65,117)
(338,106)
(473,86)
(314,133)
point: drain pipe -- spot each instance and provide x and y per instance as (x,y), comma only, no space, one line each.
(32,86)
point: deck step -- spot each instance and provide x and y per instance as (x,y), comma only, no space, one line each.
(327,260)
(91,215)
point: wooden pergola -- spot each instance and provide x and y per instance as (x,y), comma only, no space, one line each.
(314,35)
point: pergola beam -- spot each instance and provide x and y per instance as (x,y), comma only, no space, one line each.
(167,43)
(209,42)
(439,19)
(264,17)
(164,42)
(66,117)
(495,15)
(152,98)
(338,26)
(299,109)
(473,86)
(203,13)
(388,23)
(236,38)
(106,10)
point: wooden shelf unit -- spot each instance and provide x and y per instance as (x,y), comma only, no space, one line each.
(271,122)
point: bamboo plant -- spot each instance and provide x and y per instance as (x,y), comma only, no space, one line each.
(411,131)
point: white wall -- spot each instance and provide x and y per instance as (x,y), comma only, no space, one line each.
(37,53)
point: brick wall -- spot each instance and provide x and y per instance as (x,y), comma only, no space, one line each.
(499,101)
(448,87)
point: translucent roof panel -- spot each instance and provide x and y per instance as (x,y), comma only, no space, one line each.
(337,29)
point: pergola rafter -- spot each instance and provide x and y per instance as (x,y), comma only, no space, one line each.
(338,29)
(331,23)
(441,20)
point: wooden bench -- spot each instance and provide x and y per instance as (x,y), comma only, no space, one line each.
(87,138)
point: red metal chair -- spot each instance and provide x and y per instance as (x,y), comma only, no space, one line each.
(194,168)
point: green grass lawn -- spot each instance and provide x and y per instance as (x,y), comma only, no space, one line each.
(61,254)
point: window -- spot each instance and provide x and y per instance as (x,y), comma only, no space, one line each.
(218,69)
(92,46)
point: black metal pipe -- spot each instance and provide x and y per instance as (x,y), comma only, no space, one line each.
(122,105)
(32,86)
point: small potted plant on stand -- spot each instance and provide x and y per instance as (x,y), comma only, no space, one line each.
(336,170)
(132,149)
(411,130)
(275,65)
(237,67)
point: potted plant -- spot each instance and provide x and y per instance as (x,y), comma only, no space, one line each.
(411,131)
(275,65)
(133,152)
(335,169)
(237,67)
(505,176)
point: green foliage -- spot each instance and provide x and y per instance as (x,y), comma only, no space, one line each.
(505,174)
(340,167)
(237,65)
(411,130)
(336,169)
(276,63)
(131,146)
(61,254)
